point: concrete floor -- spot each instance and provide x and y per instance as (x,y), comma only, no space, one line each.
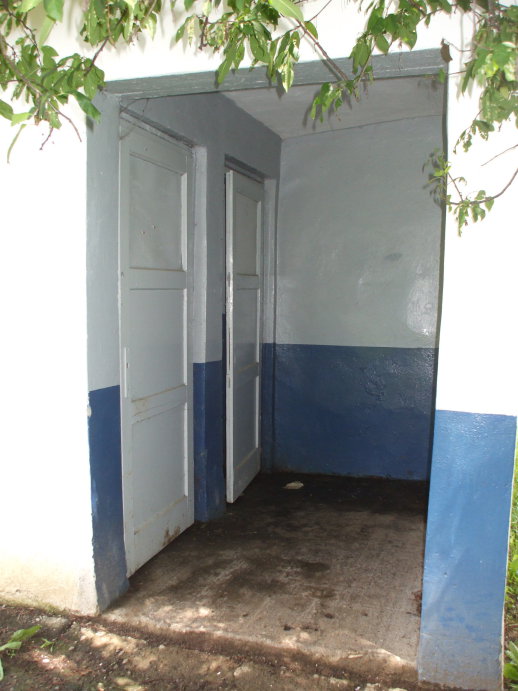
(329,574)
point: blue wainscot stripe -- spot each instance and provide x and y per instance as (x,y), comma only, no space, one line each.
(104,432)
(209,456)
(466,550)
(345,410)
(267,406)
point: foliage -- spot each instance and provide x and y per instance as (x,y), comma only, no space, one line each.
(511,591)
(270,31)
(15,643)
(511,667)
(512,569)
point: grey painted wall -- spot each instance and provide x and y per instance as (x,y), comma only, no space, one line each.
(359,237)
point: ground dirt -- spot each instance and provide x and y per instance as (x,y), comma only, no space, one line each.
(86,654)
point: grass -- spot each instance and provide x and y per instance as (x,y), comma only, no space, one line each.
(511,594)
(512,569)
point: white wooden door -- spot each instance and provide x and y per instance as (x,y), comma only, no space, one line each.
(156,368)
(243,310)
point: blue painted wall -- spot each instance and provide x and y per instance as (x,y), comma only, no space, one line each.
(346,410)
(267,407)
(209,451)
(466,549)
(104,431)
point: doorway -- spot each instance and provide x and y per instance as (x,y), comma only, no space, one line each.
(244,249)
(227,136)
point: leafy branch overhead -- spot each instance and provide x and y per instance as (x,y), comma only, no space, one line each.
(39,81)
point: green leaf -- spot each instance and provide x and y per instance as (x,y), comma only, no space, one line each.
(11,645)
(510,671)
(46,27)
(188,4)
(28,5)
(441,76)
(382,43)
(376,23)
(87,106)
(512,652)
(15,139)
(92,82)
(224,69)
(287,75)
(311,28)
(360,54)
(287,9)
(24,634)
(240,54)
(54,9)
(501,55)
(5,110)
(258,49)
(20,117)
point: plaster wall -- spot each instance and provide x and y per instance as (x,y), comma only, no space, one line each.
(358,263)
(46,542)
(475,426)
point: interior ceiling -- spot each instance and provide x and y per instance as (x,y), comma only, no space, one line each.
(383,100)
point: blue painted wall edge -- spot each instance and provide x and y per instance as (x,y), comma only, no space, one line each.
(104,432)
(466,549)
(209,442)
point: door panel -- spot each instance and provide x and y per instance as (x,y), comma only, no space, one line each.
(244,283)
(155,243)
(155,264)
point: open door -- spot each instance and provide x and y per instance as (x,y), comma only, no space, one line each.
(156,368)
(244,202)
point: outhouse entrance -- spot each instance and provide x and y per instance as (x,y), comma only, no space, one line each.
(346,303)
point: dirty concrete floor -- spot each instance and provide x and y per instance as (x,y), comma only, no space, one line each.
(327,575)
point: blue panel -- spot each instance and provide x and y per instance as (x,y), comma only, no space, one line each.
(267,409)
(104,432)
(209,455)
(466,549)
(345,410)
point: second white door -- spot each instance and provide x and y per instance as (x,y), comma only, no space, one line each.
(244,202)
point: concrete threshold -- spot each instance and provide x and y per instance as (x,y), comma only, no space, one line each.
(327,576)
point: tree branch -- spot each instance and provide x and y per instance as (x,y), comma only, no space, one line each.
(489,198)
(336,69)
(500,154)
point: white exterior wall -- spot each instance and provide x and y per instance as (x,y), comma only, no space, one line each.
(479,329)
(46,551)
